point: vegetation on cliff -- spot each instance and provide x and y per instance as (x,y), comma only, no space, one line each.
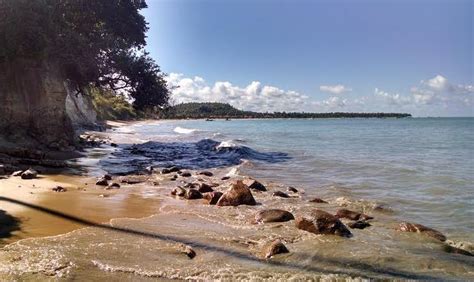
(222,110)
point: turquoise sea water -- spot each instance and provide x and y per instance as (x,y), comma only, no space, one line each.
(422,168)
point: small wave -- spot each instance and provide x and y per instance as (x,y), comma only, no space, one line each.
(182,130)
(226,144)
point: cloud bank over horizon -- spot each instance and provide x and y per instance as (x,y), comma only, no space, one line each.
(435,96)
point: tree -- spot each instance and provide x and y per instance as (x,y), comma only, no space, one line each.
(97,43)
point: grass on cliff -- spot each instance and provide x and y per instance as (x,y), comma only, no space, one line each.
(112,107)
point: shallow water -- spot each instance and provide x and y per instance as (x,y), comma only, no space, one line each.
(418,170)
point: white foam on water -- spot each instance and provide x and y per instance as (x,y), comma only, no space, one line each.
(182,130)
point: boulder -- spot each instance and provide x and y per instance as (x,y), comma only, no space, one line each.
(352,215)
(280,194)
(193,194)
(274,248)
(102,182)
(322,222)
(360,224)
(254,184)
(273,215)
(170,170)
(107,177)
(318,200)
(418,228)
(185,174)
(206,173)
(204,188)
(212,197)
(17,173)
(29,174)
(178,191)
(292,189)
(238,194)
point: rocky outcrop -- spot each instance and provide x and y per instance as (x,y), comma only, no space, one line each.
(238,194)
(418,228)
(321,222)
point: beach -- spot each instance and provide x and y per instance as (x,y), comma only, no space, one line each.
(141,231)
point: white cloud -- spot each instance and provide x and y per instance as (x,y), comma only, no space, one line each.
(438,90)
(254,97)
(334,89)
(392,99)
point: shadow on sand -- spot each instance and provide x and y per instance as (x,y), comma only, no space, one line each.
(8,224)
(343,266)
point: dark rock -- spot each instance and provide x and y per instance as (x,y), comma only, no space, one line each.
(192,185)
(204,188)
(292,189)
(149,169)
(186,174)
(352,215)
(113,145)
(29,174)
(225,178)
(17,173)
(280,194)
(418,228)
(254,184)
(193,194)
(273,215)
(322,222)
(212,197)
(170,170)
(187,250)
(359,224)
(102,182)
(274,248)
(206,173)
(59,189)
(318,200)
(107,177)
(113,186)
(454,250)
(178,191)
(238,194)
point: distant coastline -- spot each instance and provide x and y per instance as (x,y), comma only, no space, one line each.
(225,111)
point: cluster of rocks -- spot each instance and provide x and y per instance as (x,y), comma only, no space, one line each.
(26,174)
(94,140)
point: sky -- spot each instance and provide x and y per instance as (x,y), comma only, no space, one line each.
(318,56)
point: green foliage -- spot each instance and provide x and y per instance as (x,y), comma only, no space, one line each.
(221,110)
(112,107)
(96,43)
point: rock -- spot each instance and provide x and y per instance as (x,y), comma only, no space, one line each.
(149,169)
(292,189)
(318,200)
(187,250)
(174,177)
(113,186)
(29,174)
(322,222)
(59,189)
(170,170)
(212,197)
(238,194)
(280,194)
(17,173)
(134,179)
(454,250)
(225,178)
(193,194)
(2,170)
(192,185)
(274,248)
(186,174)
(178,191)
(359,224)
(113,145)
(102,182)
(273,215)
(418,228)
(206,173)
(107,177)
(352,215)
(254,184)
(204,188)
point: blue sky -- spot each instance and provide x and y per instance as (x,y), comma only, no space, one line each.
(410,56)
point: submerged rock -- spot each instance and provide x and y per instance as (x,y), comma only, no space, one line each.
(274,248)
(187,250)
(292,189)
(318,200)
(254,184)
(206,173)
(193,194)
(454,250)
(238,194)
(359,224)
(280,194)
(418,228)
(212,197)
(178,191)
(322,222)
(29,174)
(352,215)
(273,215)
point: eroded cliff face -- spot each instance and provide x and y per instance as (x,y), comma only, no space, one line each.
(81,111)
(32,105)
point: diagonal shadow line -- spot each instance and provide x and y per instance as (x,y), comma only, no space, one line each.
(342,263)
